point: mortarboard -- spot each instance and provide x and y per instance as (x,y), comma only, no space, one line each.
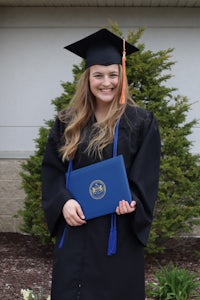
(103,48)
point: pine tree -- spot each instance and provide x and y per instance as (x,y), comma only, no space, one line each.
(177,207)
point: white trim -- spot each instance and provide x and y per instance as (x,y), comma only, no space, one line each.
(100,3)
(15,154)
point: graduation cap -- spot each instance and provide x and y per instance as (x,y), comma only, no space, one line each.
(104,48)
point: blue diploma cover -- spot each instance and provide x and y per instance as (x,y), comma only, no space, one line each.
(99,187)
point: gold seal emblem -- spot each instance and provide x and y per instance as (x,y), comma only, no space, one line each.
(97,189)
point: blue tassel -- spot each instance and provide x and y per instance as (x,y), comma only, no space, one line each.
(112,242)
(62,239)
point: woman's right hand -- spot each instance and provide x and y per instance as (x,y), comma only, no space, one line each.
(73,213)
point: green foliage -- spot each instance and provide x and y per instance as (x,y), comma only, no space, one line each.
(178,203)
(34,222)
(69,89)
(173,284)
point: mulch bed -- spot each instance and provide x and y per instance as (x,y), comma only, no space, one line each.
(26,263)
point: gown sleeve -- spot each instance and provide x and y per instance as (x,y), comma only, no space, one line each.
(54,192)
(144,179)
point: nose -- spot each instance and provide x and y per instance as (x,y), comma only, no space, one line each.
(106,81)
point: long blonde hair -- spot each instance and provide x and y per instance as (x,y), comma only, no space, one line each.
(80,111)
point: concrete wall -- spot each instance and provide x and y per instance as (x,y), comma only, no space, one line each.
(11,194)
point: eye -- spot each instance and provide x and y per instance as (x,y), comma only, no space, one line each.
(114,75)
(97,75)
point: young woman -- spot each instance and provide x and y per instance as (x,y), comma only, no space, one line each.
(84,132)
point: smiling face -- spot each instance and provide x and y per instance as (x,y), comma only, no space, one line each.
(103,82)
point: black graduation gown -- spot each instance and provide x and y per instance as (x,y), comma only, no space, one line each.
(81,267)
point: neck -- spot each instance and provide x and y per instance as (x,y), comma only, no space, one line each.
(101,112)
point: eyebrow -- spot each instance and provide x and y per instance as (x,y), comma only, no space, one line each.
(99,72)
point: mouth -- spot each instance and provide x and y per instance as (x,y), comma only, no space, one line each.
(106,90)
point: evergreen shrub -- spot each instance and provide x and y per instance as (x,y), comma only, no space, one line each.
(178,204)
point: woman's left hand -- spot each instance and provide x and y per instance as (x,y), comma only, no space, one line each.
(125,208)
